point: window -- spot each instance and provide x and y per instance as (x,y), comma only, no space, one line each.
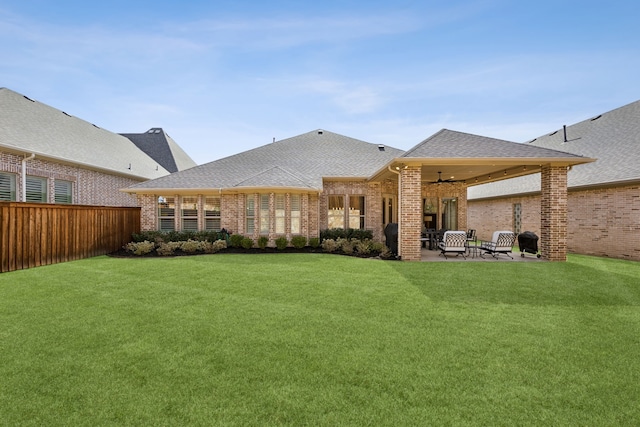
(250,214)
(36,189)
(517,218)
(336,212)
(450,214)
(189,213)
(356,212)
(7,187)
(166,213)
(280,214)
(264,214)
(295,214)
(212,213)
(63,191)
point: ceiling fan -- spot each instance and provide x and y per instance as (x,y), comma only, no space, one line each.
(440,180)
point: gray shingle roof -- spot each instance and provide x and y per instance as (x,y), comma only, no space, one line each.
(452,144)
(298,162)
(613,138)
(28,126)
(160,147)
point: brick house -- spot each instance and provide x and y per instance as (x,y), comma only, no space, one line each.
(318,180)
(603,200)
(49,156)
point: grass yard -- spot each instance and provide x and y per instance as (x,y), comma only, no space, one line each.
(321,340)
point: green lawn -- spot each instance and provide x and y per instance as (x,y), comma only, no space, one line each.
(320,340)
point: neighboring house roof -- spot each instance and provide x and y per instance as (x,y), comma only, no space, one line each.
(613,138)
(160,147)
(28,126)
(300,162)
(458,145)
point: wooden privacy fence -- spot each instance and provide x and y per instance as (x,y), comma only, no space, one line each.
(35,234)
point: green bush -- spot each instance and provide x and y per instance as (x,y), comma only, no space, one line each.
(263,241)
(363,247)
(281,243)
(346,245)
(246,242)
(299,242)
(179,236)
(314,242)
(217,246)
(140,248)
(341,233)
(235,240)
(192,246)
(167,248)
(330,245)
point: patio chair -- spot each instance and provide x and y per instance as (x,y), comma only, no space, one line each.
(453,242)
(501,243)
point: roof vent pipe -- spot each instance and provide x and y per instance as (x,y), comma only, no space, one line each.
(564,128)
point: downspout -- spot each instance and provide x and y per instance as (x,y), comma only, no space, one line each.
(24,175)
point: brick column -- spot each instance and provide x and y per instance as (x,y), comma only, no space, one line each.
(410,202)
(553,215)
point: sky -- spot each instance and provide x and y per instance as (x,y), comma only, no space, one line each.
(221,77)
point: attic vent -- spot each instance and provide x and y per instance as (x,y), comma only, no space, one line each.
(157,131)
(532,140)
(320,132)
(150,131)
(27,98)
(596,118)
(66,114)
(95,126)
(381,147)
(553,133)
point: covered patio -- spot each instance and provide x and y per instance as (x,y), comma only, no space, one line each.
(433,177)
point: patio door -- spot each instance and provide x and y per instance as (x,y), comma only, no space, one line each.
(450,213)
(389,209)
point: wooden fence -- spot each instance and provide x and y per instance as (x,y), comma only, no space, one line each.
(35,234)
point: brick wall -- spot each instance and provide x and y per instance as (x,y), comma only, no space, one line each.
(600,221)
(89,187)
(410,224)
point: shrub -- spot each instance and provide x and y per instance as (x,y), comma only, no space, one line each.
(166,249)
(191,246)
(299,242)
(347,245)
(246,242)
(263,241)
(330,245)
(217,246)
(140,248)
(314,242)
(235,240)
(349,233)
(363,247)
(378,247)
(281,243)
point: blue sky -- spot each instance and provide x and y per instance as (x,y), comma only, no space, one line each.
(225,76)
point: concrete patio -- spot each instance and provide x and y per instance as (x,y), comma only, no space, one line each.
(428,255)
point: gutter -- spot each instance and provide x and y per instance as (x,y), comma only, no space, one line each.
(24,175)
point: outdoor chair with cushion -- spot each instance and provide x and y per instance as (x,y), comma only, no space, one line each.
(453,242)
(501,243)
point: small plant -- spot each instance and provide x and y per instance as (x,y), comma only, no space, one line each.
(378,247)
(347,245)
(235,240)
(217,246)
(263,241)
(246,242)
(281,243)
(314,242)
(140,248)
(167,249)
(363,247)
(299,242)
(329,245)
(191,246)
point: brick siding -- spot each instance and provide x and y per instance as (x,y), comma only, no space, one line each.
(90,187)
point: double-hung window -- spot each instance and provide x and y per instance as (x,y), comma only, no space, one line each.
(63,191)
(36,189)
(356,212)
(265,218)
(280,214)
(250,214)
(336,212)
(212,213)
(166,213)
(7,187)
(189,213)
(295,214)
